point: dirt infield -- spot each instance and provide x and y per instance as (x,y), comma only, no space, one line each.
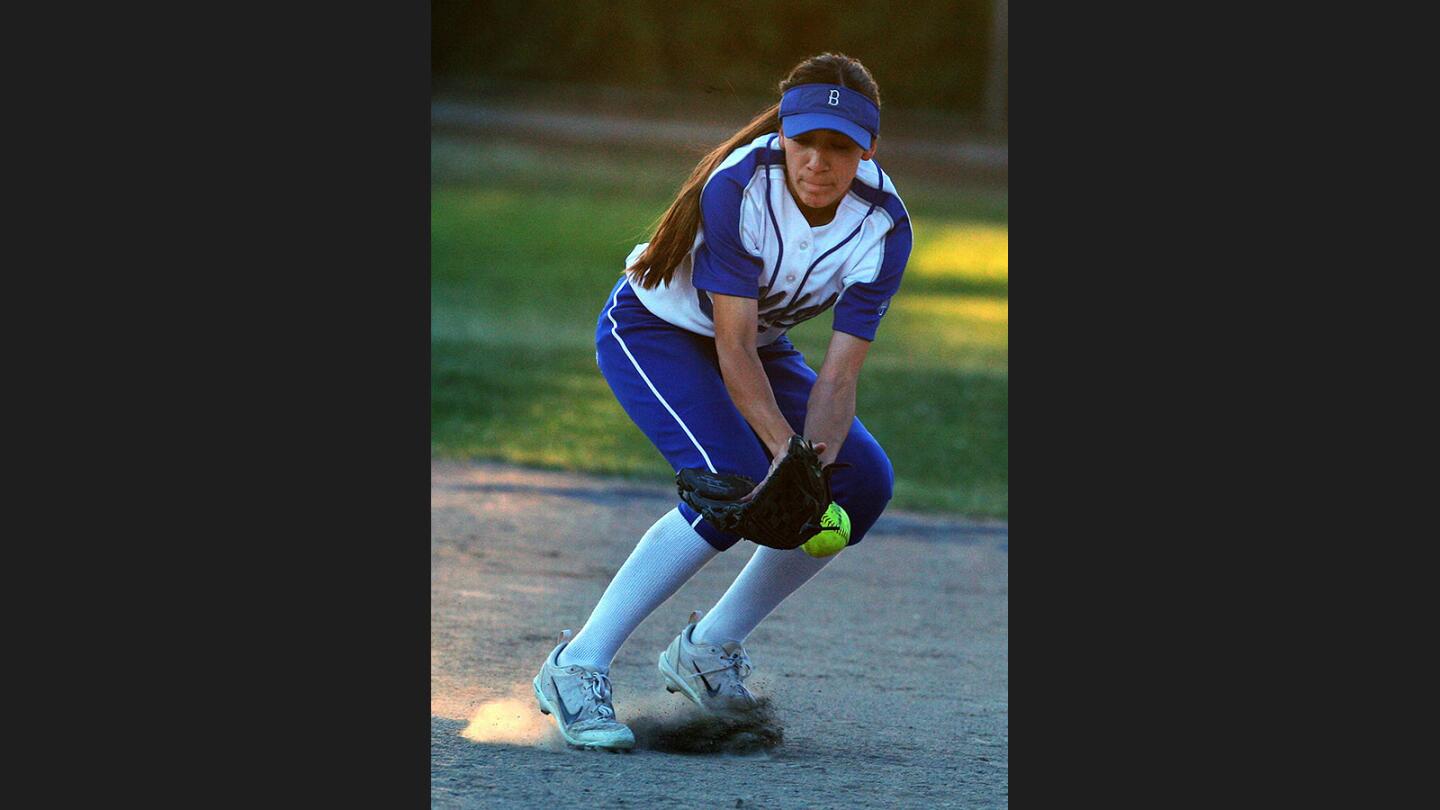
(887,675)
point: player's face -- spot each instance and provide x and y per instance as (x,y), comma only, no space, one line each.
(820,164)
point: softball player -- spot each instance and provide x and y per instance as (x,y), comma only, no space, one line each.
(787,219)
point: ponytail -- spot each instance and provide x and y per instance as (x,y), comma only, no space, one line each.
(675,233)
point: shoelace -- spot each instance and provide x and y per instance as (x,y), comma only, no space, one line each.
(598,686)
(738,661)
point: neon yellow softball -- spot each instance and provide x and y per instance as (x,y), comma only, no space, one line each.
(835,535)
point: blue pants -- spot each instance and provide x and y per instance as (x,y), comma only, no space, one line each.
(668,380)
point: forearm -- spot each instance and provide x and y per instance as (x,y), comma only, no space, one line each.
(750,390)
(829,414)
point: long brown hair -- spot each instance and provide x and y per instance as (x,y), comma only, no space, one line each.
(675,231)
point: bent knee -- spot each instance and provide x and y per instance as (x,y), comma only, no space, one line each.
(866,491)
(874,474)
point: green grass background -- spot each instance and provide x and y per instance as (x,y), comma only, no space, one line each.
(526,241)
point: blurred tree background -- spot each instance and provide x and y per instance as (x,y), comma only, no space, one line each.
(942,55)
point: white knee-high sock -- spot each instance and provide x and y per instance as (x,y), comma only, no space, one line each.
(765,582)
(665,558)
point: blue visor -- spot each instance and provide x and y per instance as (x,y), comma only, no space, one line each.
(807,107)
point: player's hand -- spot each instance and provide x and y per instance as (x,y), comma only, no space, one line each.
(819,449)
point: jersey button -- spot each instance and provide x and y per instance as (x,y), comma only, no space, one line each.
(804,245)
(790,277)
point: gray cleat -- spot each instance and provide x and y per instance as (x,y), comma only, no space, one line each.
(579,699)
(709,674)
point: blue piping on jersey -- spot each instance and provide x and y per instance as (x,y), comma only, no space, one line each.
(827,253)
(878,196)
(780,259)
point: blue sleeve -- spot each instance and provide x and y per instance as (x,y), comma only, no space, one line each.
(722,264)
(864,303)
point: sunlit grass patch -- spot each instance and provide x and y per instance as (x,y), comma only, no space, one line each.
(942,331)
(969,250)
(962,308)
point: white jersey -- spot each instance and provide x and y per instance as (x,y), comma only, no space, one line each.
(755,242)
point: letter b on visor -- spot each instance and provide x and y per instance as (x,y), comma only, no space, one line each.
(830,106)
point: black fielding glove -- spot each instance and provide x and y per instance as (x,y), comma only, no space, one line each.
(784,512)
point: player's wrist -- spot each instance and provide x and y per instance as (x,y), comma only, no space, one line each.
(778,448)
(778,442)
